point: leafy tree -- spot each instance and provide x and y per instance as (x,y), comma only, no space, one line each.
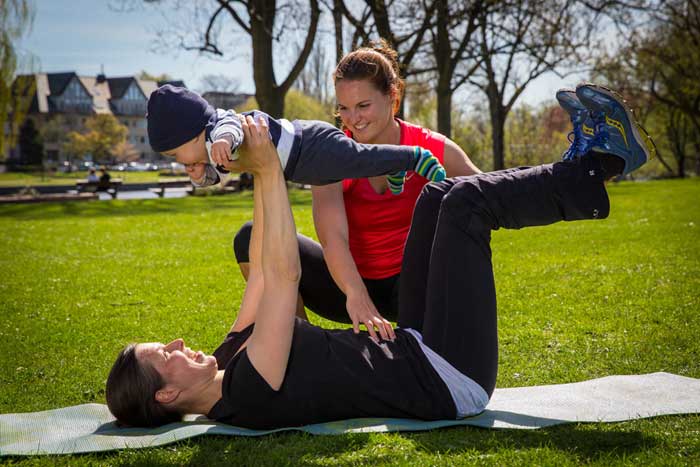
(421,105)
(471,130)
(298,105)
(16,18)
(536,135)
(76,145)
(124,152)
(157,78)
(657,70)
(53,130)
(104,134)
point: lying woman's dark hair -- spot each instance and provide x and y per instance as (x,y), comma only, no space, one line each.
(131,392)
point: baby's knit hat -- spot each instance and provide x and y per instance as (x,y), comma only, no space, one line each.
(175,116)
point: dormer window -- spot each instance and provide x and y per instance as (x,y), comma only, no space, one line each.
(74,97)
(133,94)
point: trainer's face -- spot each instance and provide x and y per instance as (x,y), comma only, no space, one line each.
(365,110)
(177,364)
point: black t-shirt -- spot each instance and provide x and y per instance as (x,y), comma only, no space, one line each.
(228,348)
(331,375)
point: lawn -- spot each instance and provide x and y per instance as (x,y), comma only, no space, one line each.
(576,301)
(22,179)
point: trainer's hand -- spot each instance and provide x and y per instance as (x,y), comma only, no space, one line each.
(221,152)
(362,311)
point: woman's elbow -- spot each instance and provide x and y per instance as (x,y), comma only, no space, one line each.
(287,271)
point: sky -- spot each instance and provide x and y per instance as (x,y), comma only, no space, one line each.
(84,36)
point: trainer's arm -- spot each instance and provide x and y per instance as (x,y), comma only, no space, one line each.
(456,161)
(331,225)
(270,343)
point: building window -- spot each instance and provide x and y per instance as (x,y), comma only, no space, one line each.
(133,94)
(75,96)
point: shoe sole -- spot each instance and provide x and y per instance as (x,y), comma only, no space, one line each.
(643,142)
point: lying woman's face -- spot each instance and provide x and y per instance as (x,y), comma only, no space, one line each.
(364,110)
(176,363)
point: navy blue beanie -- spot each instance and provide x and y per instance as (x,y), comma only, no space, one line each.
(175,116)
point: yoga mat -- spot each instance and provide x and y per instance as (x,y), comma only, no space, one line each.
(91,428)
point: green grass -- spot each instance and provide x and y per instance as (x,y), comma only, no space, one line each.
(59,178)
(576,301)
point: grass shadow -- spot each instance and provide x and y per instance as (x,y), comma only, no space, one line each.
(587,442)
(141,207)
(584,443)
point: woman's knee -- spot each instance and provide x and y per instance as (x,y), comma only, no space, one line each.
(241,242)
(431,196)
(466,206)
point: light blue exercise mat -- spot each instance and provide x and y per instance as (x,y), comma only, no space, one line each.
(90,427)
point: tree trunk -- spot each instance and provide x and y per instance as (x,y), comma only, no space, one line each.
(262,16)
(444,109)
(270,101)
(498,123)
(443,57)
(680,158)
(338,22)
(498,137)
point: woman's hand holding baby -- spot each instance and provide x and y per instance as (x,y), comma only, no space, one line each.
(257,153)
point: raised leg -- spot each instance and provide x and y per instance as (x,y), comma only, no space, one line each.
(460,321)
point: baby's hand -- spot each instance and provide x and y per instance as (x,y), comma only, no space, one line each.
(221,152)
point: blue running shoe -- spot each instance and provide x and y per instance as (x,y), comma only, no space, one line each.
(616,130)
(581,120)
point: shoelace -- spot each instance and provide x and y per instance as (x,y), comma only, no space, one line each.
(577,139)
(600,136)
(570,153)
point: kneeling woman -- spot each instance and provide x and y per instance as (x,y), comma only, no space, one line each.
(274,370)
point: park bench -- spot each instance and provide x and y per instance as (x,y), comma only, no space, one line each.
(84,186)
(233,185)
(164,185)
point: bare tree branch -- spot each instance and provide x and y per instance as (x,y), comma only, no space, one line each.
(224,4)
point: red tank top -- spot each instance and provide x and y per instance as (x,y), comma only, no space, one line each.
(378,223)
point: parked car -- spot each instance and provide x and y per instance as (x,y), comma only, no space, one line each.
(141,167)
(119,167)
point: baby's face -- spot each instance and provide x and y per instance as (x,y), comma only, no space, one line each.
(195,171)
(193,155)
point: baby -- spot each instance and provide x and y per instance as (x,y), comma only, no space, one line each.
(184,125)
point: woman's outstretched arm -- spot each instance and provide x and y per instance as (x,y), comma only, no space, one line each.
(256,282)
(270,343)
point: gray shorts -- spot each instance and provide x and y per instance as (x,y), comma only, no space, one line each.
(469,398)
